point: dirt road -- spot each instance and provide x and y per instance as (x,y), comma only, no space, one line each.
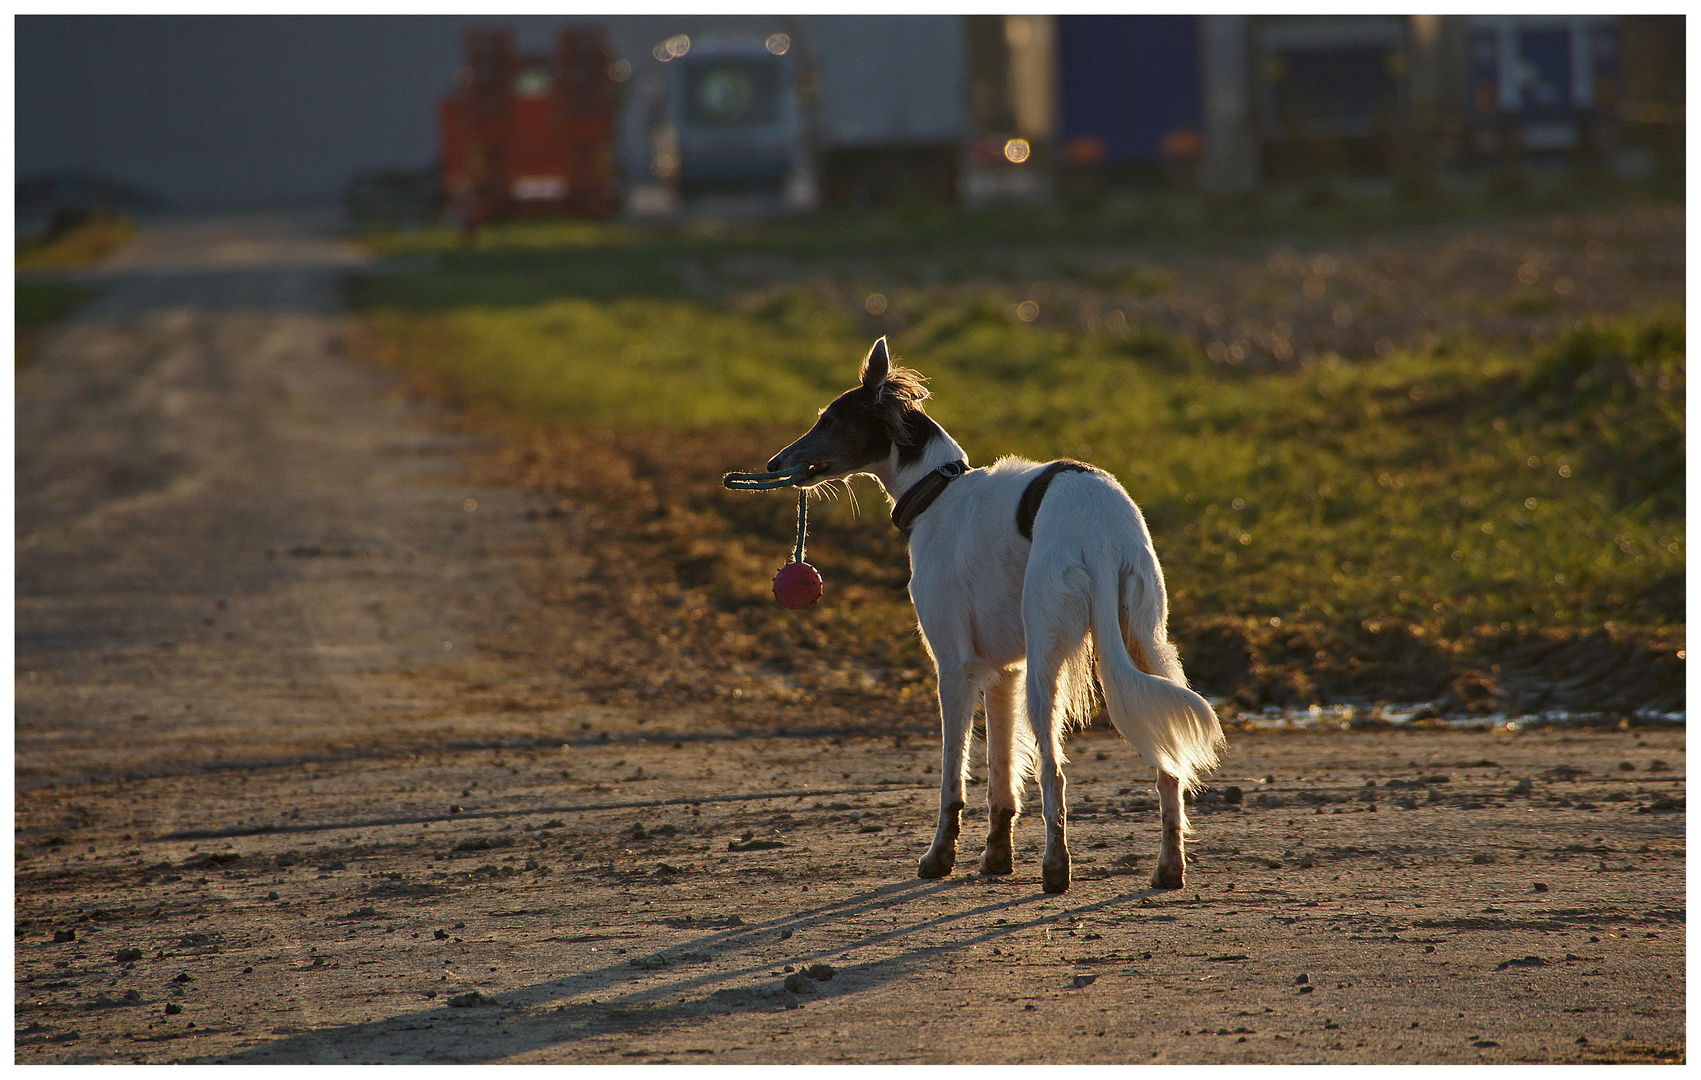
(304,775)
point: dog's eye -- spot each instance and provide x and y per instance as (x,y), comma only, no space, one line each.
(825,422)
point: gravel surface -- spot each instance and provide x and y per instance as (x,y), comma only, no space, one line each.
(303,775)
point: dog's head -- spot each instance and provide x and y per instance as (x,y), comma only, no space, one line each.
(863,425)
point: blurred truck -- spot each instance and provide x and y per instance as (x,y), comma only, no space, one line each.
(1131,92)
(731,122)
(530,134)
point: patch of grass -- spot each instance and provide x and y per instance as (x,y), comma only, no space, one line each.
(960,242)
(80,245)
(37,306)
(631,363)
(1343,529)
(1136,281)
(1532,300)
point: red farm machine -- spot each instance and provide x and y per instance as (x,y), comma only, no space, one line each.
(530,134)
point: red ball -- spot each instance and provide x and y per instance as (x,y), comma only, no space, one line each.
(797,585)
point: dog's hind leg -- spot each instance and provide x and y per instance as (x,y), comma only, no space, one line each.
(1147,696)
(1009,757)
(957,689)
(1042,686)
(1054,617)
(1171,872)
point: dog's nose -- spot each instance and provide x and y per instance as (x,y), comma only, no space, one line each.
(774,463)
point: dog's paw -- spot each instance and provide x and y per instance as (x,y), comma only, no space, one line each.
(937,864)
(1054,875)
(1055,881)
(1169,876)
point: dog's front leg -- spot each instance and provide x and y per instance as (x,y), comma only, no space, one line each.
(956,714)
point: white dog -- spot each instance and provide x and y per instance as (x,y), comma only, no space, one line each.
(1021,568)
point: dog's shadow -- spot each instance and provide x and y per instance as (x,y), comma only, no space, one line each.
(630,1002)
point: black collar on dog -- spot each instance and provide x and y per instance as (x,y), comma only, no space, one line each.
(921,495)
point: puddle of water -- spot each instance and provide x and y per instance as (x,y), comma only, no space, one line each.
(1421,715)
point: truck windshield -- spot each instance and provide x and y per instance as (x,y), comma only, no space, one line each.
(732,93)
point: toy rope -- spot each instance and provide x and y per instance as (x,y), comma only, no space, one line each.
(802,526)
(764,481)
(767,481)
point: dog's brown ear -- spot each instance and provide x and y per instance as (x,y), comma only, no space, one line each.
(877,366)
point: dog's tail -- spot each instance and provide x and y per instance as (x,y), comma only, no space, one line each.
(1145,691)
